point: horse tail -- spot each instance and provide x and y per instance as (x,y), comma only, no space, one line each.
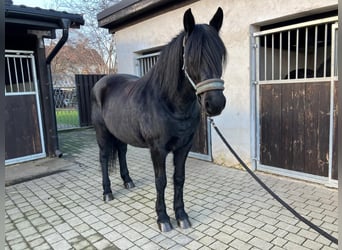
(104,138)
(113,156)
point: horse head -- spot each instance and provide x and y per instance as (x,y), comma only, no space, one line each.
(204,55)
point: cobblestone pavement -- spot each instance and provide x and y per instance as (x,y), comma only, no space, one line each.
(227,208)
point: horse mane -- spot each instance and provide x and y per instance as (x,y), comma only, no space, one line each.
(204,44)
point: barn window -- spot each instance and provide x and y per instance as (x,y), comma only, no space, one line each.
(145,62)
(19,74)
(297,51)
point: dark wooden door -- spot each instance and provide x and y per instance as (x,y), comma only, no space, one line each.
(22,134)
(24,139)
(294,122)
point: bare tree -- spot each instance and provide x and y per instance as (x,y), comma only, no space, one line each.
(73,59)
(97,38)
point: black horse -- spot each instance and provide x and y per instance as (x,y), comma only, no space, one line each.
(161,110)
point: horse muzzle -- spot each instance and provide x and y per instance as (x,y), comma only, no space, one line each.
(211,95)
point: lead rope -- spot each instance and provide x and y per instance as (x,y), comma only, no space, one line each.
(294,212)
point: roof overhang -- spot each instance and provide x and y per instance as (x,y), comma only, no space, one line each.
(37,18)
(129,12)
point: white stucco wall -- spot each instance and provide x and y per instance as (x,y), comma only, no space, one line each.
(239,16)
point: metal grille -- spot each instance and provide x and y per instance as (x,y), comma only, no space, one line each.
(20,78)
(66,105)
(295,52)
(146,62)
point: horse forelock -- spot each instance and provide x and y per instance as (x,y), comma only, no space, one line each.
(205,49)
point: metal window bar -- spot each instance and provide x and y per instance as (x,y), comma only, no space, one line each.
(315,53)
(29,74)
(22,74)
(265,57)
(280,53)
(9,76)
(16,74)
(325,49)
(272,73)
(335,66)
(306,53)
(297,48)
(288,53)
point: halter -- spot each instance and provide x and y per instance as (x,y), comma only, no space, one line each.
(203,86)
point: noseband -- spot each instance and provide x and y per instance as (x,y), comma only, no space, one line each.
(203,86)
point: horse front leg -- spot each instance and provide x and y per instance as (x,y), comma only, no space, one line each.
(158,159)
(179,159)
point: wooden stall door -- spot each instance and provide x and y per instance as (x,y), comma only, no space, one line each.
(24,138)
(295,127)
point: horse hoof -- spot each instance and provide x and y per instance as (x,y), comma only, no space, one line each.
(184,224)
(108,197)
(165,226)
(129,185)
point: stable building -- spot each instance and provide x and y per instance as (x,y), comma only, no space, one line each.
(280,80)
(30,121)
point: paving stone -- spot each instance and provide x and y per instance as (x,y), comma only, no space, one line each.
(312,245)
(260,243)
(262,235)
(61,245)
(167,243)
(243,226)
(290,245)
(193,245)
(239,244)
(123,243)
(19,246)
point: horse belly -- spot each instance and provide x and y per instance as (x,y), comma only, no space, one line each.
(125,131)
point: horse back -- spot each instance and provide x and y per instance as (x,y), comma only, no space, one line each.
(107,83)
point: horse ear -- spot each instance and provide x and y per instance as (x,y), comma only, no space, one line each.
(188,21)
(216,21)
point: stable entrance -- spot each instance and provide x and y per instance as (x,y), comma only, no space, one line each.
(23,124)
(295,79)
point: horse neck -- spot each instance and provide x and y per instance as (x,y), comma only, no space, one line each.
(168,76)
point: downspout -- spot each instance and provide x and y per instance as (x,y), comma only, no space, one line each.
(66,25)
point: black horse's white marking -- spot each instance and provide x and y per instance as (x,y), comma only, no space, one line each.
(161,110)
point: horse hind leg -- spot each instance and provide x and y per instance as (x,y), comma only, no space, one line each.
(106,146)
(122,150)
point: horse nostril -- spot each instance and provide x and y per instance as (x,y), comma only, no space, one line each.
(207,105)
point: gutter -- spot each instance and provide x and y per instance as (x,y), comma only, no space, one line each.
(66,25)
